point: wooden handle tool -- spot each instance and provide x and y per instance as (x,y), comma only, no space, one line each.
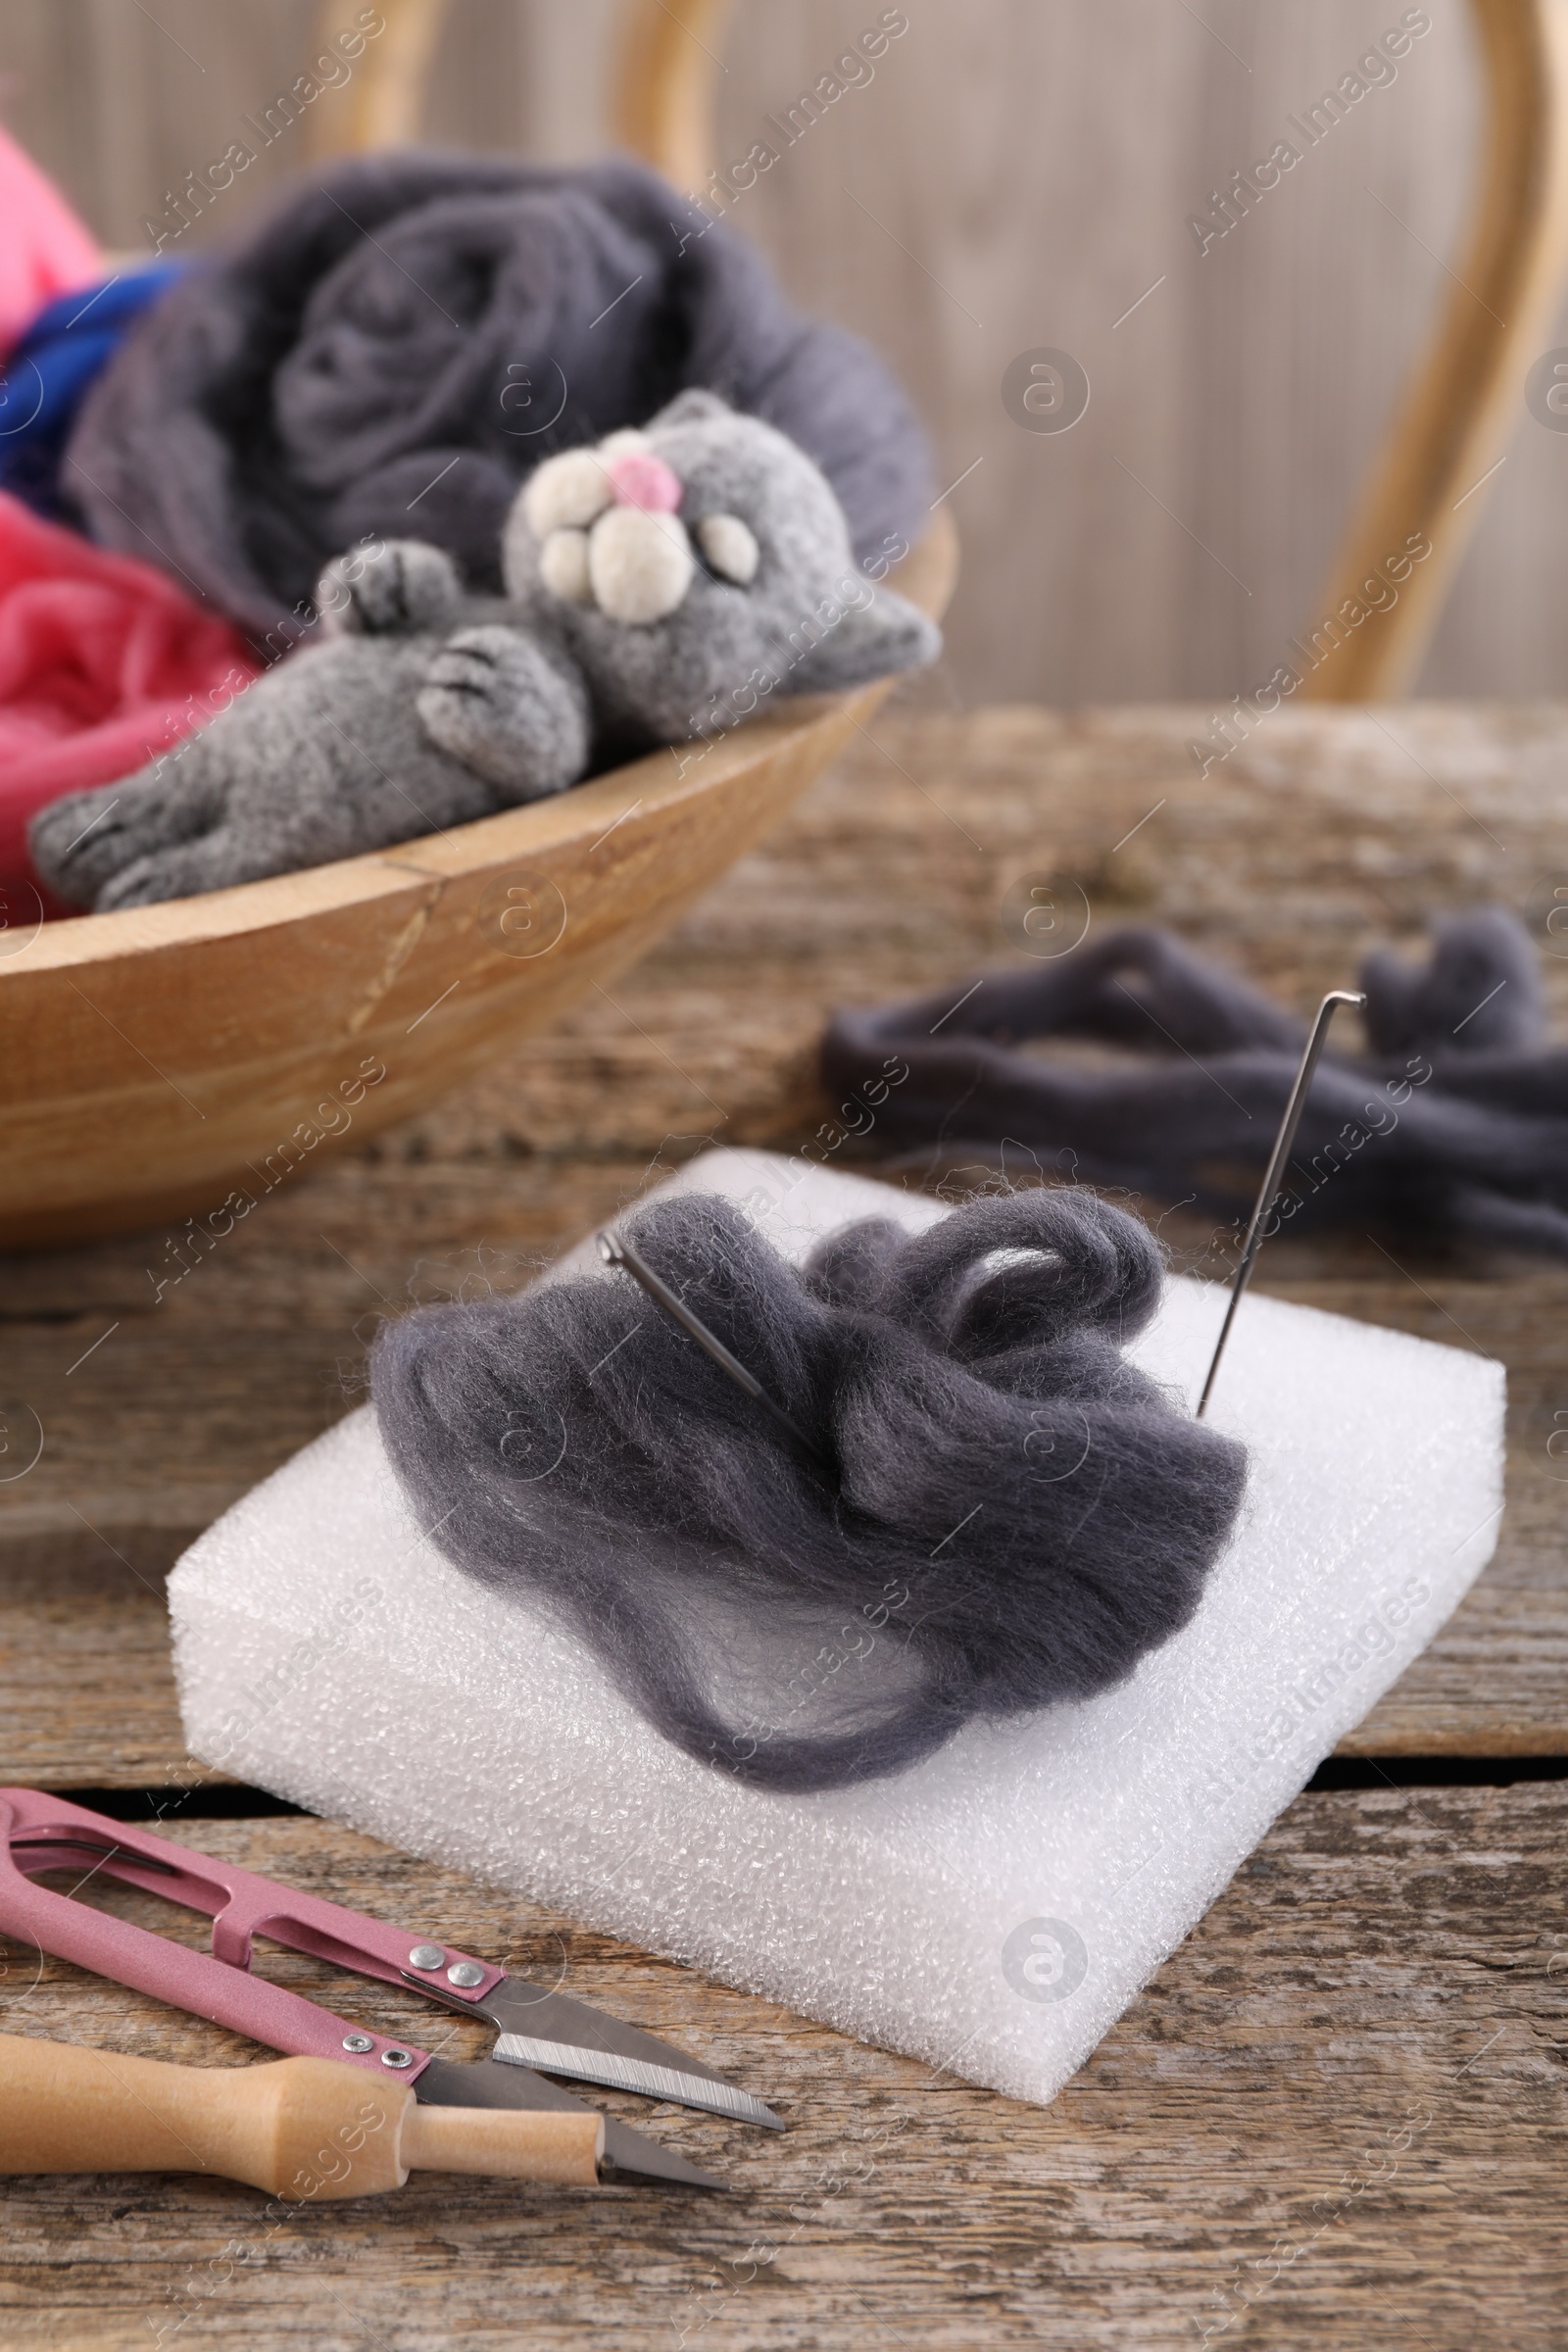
(298,2127)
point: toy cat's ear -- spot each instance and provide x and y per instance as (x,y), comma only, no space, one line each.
(870,641)
(691,408)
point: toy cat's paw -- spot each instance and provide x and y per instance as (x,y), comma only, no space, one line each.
(509,709)
(215,860)
(80,844)
(388,588)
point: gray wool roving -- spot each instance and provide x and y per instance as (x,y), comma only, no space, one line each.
(1457,1124)
(1015,1514)
(626,626)
(410,333)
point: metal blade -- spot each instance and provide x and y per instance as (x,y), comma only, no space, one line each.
(630,2152)
(480,2083)
(562,2035)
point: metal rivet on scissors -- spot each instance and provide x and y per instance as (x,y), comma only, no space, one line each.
(542,2032)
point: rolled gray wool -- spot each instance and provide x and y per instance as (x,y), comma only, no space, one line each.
(993,1909)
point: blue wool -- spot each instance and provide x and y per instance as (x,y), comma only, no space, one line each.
(69,342)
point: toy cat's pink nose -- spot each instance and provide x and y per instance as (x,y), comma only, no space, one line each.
(640,479)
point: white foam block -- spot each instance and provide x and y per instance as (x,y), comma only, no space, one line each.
(996,1908)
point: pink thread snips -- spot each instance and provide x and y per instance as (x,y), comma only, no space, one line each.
(541,2031)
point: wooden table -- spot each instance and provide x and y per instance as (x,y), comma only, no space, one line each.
(1336,2115)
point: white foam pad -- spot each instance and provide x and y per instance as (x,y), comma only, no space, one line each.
(996,1908)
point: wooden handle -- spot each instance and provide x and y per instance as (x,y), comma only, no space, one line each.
(563,2148)
(298,2127)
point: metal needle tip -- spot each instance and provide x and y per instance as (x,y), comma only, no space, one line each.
(1276,1169)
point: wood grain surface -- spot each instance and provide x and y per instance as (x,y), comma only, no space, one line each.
(1335,2118)
(1331,831)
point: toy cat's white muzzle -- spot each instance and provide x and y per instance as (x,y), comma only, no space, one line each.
(610,533)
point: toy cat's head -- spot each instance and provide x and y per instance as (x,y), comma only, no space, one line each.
(697,565)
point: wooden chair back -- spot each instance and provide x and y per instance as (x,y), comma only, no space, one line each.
(1450,429)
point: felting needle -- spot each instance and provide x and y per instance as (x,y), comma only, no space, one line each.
(616,1252)
(1275,1171)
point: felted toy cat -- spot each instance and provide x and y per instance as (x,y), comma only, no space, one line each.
(659,586)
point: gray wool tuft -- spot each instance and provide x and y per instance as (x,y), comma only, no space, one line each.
(425,707)
(1013,1517)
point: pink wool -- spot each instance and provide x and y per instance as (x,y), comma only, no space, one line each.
(103,663)
(44,249)
(640,479)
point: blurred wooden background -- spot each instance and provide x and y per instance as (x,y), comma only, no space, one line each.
(1012,174)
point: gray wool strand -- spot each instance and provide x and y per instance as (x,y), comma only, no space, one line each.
(402,341)
(1014,1515)
(1455,1124)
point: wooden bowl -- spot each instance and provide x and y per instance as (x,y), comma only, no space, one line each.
(161,1059)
